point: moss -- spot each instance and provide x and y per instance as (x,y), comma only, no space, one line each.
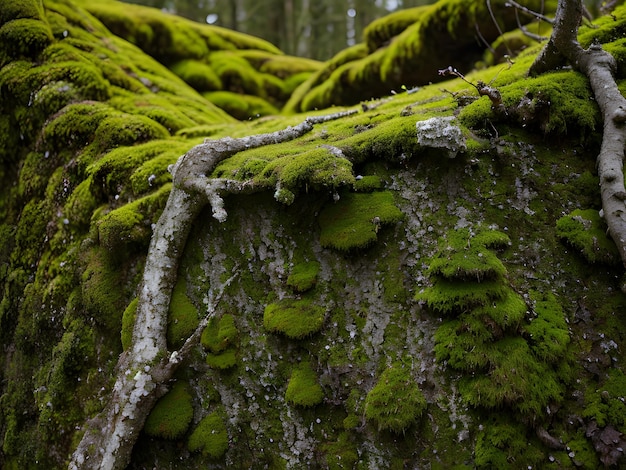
(503,441)
(548,332)
(367,184)
(128,323)
(586,232)
(30,235)
(379,32)
(171,416)
(241,106)
(197,74)
(210,437)
(24,38)
(182,318)
(303,276)
(354,221)
(557,103)
(221,340)
(295,318)
(606,404)
(303,388)
(342,453)
(130,226)
(395,402)
(102,291)
(81,204)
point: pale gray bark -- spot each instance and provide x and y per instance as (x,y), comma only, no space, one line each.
(599,66)
(142,372)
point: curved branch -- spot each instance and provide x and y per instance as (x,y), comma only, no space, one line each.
(143,370)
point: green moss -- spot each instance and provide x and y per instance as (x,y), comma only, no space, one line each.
(342,453)
(367,184)
(171,416)
(605,404)
(548,332)
(182,318)
(303,276)
(451,297)
(221,339)
(395,402)
(504,441)
(102,290)
(558,103)
(586,232)
(128,323)
(130,225)
(210,436)
(354,220)
(295,318)
(303,388)
(30,234)
(197,74)
(382,30)
(24,38)
(241,106)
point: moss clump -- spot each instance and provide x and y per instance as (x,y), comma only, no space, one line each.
(295,318)
(182,318)
(210,436)
(354,221)
(503,441)
(303,388)
(197,74)
(606,404)
(241,106)
(303,276)
(395,402)
(220,339)
(172,414)
(102,288)
(502,358)
(585,231)
(367,184)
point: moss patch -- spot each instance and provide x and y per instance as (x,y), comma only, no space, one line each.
(303,388)
(303,276)
(395,402)
(183,317)
(295,318)
(210,437)
(354,220)
(585,231)
(172,414)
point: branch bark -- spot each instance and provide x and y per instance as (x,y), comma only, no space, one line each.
(599,66)
(142,372)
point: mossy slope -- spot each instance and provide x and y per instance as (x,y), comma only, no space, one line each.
(516,333)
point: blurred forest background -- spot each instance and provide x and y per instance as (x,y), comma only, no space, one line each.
(316,29)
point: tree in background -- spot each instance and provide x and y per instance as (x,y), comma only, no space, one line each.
(315,29)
